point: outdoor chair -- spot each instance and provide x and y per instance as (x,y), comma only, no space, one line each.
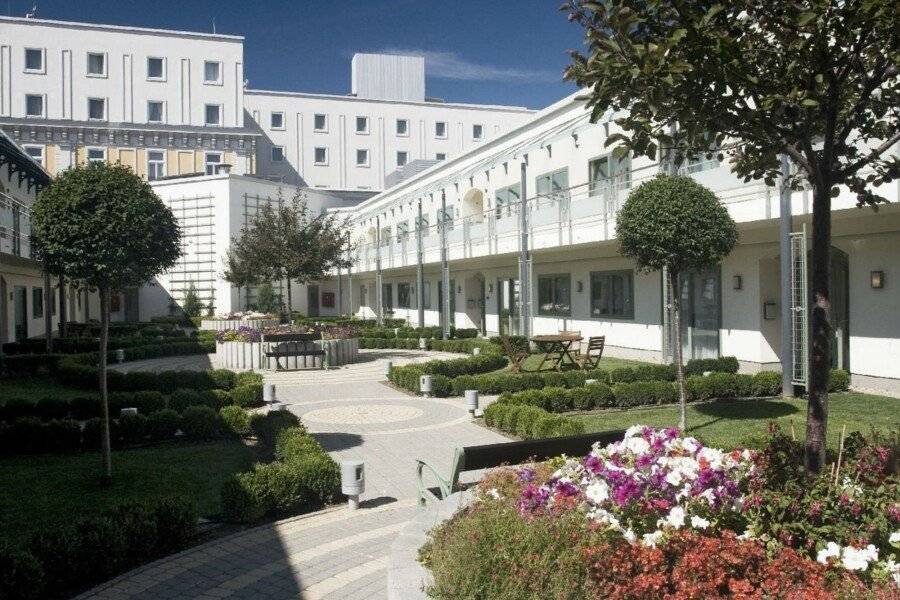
(516,357)
(594,353)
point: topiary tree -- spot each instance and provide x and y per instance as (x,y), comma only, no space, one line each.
(105,228)
(676,224)
(192,305)
(267,300)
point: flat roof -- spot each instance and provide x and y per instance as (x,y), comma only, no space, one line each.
(348,97)
(120,28)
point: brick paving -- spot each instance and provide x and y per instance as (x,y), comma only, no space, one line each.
(334,553)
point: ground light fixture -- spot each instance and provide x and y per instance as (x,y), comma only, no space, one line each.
(472,401)
(425,385)
(269,393)
(353,481)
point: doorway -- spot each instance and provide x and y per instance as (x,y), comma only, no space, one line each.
(839,295)
(312,301)
(20,312)
(700,296)
(508,306)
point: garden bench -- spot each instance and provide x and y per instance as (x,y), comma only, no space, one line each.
(472,458)
(289,349)
(516,357)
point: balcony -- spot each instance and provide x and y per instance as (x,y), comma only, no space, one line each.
(15,227)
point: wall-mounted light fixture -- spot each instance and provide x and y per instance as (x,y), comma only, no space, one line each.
(770,311)
(738,282)
(459,289)
(579,286)
(490,288)
(877,279)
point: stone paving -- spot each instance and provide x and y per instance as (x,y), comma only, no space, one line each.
(335,553)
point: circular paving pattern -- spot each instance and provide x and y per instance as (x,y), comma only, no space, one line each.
(363,414)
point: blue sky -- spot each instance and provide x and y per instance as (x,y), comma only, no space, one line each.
(476,51)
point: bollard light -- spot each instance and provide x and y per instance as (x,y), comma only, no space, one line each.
(269,393)
(476,351)
(472,401)
(353,481)
(589,381)
(387,368)
(423,344)
(425,385)
(128,411)
(326,359)
(120,355)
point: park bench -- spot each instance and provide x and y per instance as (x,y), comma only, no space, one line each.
(472,458)
(290,349)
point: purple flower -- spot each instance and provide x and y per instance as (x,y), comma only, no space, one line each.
(526,475)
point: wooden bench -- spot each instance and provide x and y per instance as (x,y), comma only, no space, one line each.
(472,458)
(289,349)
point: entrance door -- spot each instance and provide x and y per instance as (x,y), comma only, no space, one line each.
(701,315)
(312,301)
(20,312)
(508,306)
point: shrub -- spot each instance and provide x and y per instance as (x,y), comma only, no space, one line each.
(163,424)
(601,395)
(241,498)
(176,524)
(526,419)
(16,408)
(181,398)
(581,399)
(641,393)
(838,380)
(52,407)
(200,423)
(556,399)
(133,429)
(441,386)
(724,364)
(236,420)
(21,575)
(24,436)
(148,401)
(766,383)
(247,395)
(90,434)
(509,418)
(247,377)
(295,442)
(552,379)
(575,379)
(493,413)
(535,398)
(84,407)
(622,375)
(215,399)
(462,383)
(223,379)
(267,426)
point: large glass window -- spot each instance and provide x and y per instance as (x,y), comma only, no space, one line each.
(402,230)
(505,198)
(34,105)
(37,303)
(551,183)
(276,120)
(477,131)
(422,225)
(213,114)
(156,68)
(320,122)
(97,109)
(554,295)
(385,235)
(154,111)
(156,164)
(444,218)
(362,124)
(212,72)
(403,295)
(34,60)
(402,127)
(440,129)
(96,64)
(607,172)
(612,294)
(387,297)
(426,294)
(402,158)
(320,156)
(362,158)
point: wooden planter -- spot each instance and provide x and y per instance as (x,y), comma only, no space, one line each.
(230,324)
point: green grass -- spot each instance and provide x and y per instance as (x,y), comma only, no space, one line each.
(49,491)
(733,423)
(531,363)
(35,388)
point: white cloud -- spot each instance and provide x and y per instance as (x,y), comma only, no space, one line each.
(450,65)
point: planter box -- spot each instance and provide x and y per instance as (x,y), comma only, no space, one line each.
(227,325)
(251,355)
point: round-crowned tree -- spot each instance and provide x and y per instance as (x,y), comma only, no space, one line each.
(676,224)
(104,227)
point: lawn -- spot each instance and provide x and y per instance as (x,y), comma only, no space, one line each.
(531,363)
(52,490)
(733,423)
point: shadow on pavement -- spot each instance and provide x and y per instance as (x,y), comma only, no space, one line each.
(375,502)
(332,442)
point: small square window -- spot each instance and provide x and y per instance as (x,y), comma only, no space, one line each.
(156,164)
(96,64)
(154,111)
(96,109)
(96,155)
(477,132)
(362,158)
(34,105)
(440,129)
(362,124)
(34,60)
(440,156)
(276,120)
(212,72)
(402,158)
(320,123)
(156,68)
(402,127)
(320,156)
(36,153)
(212,162)
(213,114)
(277,153)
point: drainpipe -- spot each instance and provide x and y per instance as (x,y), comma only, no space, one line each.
(379,306)
(420,273)
(785,226)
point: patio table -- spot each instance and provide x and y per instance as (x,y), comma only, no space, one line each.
(556,348)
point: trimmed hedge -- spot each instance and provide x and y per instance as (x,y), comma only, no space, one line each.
(442,371)
(529,422)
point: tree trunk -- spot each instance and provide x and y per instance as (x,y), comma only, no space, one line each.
(675,300)
(290,303)
(63,330)
(820,333)
(106,477)
(48,312)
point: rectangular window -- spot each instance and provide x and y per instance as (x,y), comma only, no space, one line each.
(362,158)
(402,127)
(96,155)
(402,230)
(156,68)
(554,298)
(34,105)
(426,294)
(34,60)
(213,114)
(36,153)
(277,153)
(276,120)
(96,109)
(212,72)
(440,156)
(96,64)
(37,303)
(387,297)
(506,199)
(550,184)
(422,225)
(156,164)
(477,132)
(320,156)
(440,129)
(385,237)
(320,122)
(402,158)
(362,124)
(444,219)
(154,111)
(403,295)
(612,294)
(608,172)
(212,162)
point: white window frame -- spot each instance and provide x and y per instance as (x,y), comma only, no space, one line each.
(207,163)
(272,154)
(405,153)
(440,156)
(325,119)
(105,109)
(319,163)
(43,98)
(356,123)
(397,128)
(272,115)
(164,68)
(87,154)
(477,138)
(218,80)
(43,69)
(163,116)
(38,159)
(217,123)
(87,65)
(368,160)
(446,128)
(164,163)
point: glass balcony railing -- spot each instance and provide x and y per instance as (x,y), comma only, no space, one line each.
(15,227)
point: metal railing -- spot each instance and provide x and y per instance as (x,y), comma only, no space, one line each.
(15,226)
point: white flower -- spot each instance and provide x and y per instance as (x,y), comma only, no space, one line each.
(651,539)
(831,550)
(634,430)
(893,569)
(597,492)
(894,538)
(675,518)
(747,535)
(637,445)
(630,536)
(858,559)
(690,444)
(493,493)
(699,522)
(673,478)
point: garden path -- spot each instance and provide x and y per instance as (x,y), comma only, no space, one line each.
(334,553)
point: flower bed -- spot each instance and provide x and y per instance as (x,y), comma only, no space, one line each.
(245,348)
(658,515)
(229,324)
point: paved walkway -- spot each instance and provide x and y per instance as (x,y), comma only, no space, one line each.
(335,553)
